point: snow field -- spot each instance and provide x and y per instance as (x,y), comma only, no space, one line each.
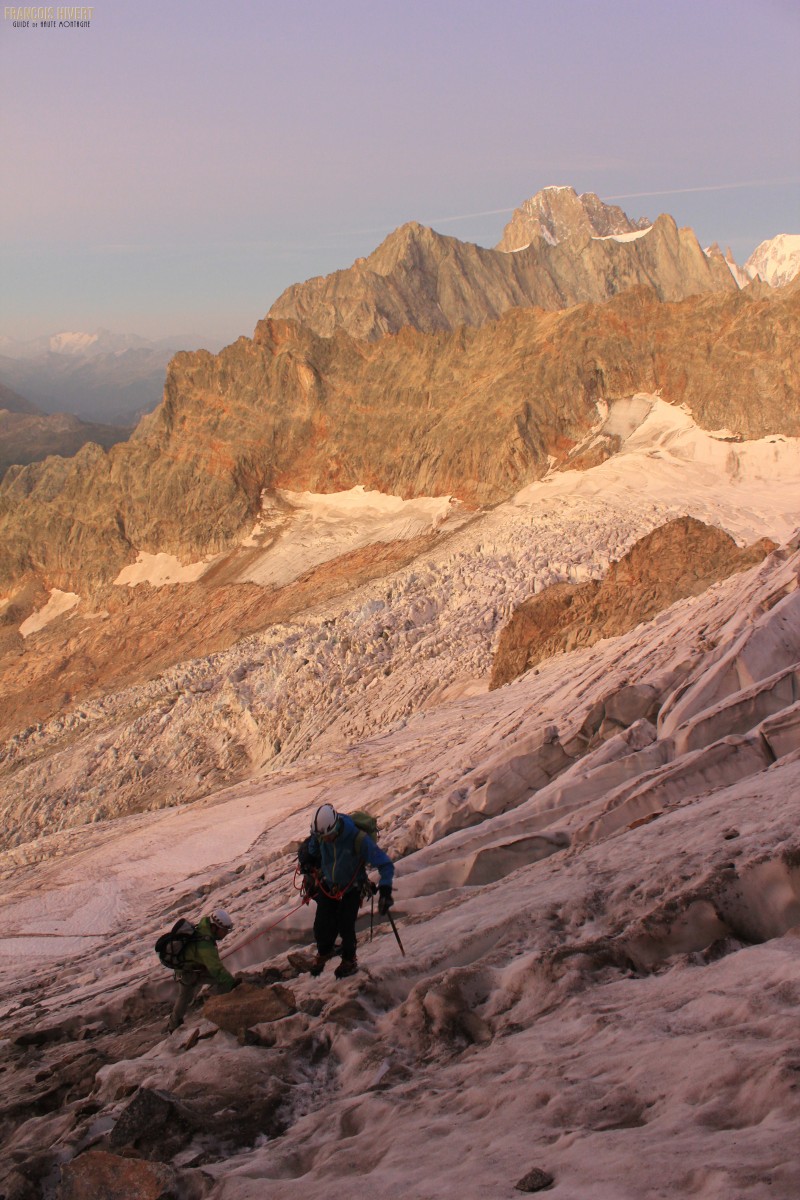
(601,971)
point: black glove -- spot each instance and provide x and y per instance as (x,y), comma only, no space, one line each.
(386,901)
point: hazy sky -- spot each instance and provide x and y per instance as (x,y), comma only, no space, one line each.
(176,165)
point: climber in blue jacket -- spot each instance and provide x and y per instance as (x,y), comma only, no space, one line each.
(343,853)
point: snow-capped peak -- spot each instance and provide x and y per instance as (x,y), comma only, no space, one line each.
(776,261)
(71,343)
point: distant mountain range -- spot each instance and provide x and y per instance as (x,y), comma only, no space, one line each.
(102,376)
(558,249)
(27,437)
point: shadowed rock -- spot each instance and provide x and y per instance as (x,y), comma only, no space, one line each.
(147,1109)
(679,559)
(535,1180)
(248,1006)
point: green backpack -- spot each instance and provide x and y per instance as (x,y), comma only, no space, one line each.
(367,826)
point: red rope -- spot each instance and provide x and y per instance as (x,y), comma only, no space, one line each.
(260,932)
(319,881)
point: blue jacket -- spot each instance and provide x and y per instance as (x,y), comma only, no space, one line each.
(342,864)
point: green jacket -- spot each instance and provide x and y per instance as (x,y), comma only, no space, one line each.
(201,954)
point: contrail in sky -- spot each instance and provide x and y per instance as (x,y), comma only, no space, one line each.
(711,187)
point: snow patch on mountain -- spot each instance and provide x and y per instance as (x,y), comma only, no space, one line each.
(71,343)
(58,604)
(622,237)
(665,456)
(661,449)
(159,570)
(317,528)
(300,530)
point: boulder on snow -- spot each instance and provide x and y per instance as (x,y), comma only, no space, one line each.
(681,558)
(97,1173)
(535,1180)
(148,1109)
(249,1005)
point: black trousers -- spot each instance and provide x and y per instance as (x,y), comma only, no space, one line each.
(337,917)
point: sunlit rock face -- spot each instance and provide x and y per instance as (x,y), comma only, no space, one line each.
(475,414)
(558,214)
(433,283)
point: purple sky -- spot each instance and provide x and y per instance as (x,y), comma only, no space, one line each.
(175,166)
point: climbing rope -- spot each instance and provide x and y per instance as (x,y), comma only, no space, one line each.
(260,933)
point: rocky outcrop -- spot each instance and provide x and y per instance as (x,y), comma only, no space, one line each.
(477,414)
(420,278)
(677,560)
(558,214)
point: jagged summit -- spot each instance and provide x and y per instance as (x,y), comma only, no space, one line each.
(559,214)
(569,250)
(776,261)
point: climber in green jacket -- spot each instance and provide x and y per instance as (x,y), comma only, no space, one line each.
(201,964)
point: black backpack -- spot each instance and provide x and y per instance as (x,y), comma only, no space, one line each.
(171,946)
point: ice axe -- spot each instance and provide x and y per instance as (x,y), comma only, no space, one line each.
(394,931)
(373,890)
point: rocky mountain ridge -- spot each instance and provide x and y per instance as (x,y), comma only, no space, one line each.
(475,414)
(434,283)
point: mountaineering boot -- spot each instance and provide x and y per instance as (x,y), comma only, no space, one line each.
(318,964)
(348,966)
(172,1024)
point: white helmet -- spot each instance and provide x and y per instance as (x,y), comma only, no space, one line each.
(221,919)
(325,819)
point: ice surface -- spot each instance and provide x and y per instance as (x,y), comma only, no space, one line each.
(601,931)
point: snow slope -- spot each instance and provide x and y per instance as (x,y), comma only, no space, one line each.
(601,971)
(597,886)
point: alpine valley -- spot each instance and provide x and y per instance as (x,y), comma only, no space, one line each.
(503,546)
